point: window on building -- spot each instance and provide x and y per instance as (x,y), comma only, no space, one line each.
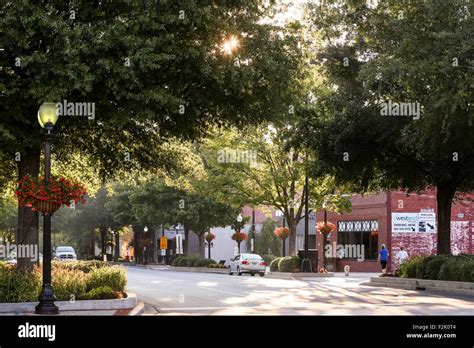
(355,234)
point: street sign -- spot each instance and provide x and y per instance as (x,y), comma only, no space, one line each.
(163,252)
(163,243)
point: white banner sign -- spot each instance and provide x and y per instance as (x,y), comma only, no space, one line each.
(414,222)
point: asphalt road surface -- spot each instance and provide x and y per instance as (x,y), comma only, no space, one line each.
(167,292)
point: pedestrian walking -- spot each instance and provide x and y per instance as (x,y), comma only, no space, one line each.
(402,255)
(383,258)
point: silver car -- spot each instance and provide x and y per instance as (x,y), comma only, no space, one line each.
(247,263)
(65,253)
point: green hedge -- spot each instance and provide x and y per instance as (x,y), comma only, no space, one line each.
(289,264)
(274,264)
(70,280)
(114,277)
(183,261)
(176,261)
(192,261)
(84,266)
(68,284)
(101,293)
(204,262)
(269,258)
(17,286)
(439,267)
(408,268)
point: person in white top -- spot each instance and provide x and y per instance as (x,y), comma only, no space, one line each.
(402,255)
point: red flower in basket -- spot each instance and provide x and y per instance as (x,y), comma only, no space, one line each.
(210,237)
(48,196)
(282,232)
(239,236)
(325,228)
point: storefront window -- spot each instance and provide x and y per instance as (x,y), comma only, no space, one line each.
(359,235)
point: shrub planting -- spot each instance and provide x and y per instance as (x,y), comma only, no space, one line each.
(114,277)
(274,264)
(70,280)
(101,293)
(439,267)
(289,264)
(204,262)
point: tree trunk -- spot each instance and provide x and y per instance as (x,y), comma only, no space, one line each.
(444,200)
(28,222)
(292,239)
(238,246)
(201,245)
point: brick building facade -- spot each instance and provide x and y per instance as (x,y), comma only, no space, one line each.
(395,218)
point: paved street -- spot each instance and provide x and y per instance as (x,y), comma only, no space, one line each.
(185,293)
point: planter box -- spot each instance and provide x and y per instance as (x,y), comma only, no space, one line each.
(461,288)
(79,305)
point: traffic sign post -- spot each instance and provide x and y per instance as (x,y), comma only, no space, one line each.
(163,243)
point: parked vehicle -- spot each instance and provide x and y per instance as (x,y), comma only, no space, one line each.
(247,263)
(65,253)
(11,259)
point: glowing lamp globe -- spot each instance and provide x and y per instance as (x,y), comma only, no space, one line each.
(47,114)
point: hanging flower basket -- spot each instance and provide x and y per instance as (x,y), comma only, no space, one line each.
(239,236)
(46,207)
(282,232)
(210,237)
(325,228)
(48,196)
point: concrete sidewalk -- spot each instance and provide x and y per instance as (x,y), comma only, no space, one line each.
(125,306)
(138,310)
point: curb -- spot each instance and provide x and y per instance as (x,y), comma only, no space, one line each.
(138,310)
(441,286)
(79,305)
(198,270)
(299,275)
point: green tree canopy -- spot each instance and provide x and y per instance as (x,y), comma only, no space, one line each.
(418,53)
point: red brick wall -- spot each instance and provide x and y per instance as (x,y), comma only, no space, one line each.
(425,243)
(375,207)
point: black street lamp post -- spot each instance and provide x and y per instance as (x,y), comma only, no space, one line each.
(306,263)
(145,258)
(254,239)
(47,118)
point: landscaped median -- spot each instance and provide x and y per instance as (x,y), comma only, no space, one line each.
(288,267)
(80,285)
(197,264)
(446,273)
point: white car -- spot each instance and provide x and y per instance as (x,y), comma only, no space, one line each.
(65,253)
(247,263)
(11,259)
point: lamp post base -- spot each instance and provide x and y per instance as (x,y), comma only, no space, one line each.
(306,265)
(46,302)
